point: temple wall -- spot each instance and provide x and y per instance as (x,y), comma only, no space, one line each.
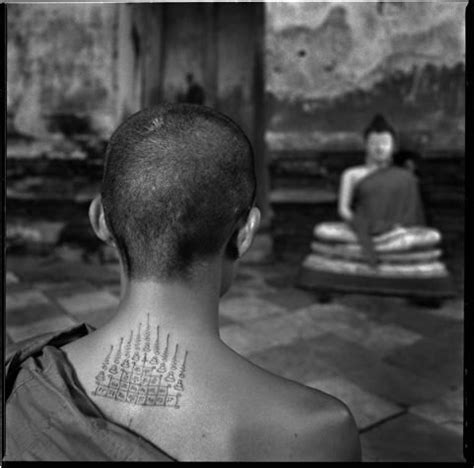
(331,65)
(61,60)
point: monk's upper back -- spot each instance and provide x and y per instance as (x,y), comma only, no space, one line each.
(231,410)
(245,413)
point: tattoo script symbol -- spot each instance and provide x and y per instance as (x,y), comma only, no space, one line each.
(140,374)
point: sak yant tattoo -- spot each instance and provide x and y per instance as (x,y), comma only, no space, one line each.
(140,372)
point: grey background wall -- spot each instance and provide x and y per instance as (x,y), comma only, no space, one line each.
(330,65)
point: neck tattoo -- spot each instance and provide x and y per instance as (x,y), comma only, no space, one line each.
(135,372)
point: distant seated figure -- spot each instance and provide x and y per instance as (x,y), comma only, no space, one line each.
(383,245)
(376,197)
(194,93)
(156,382)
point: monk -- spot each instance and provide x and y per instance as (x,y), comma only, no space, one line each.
(156,383)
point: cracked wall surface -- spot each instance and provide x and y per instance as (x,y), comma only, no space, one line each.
(60,59)
(331,65)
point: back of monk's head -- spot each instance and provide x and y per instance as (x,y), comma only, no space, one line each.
(379,124)
(178,180)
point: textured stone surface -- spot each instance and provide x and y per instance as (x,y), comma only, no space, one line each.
(290,298)
(283,329)
(242,340)
(353,326)
(10,278)
(298,361)
(453,310)
(96,317)
(85,302)
(410,437)
(34,328)
(366,408)
(367,370)
(41,80)
(446,411)
(248,308)
(24,299)
(25,315)
(387,310)
(442,357)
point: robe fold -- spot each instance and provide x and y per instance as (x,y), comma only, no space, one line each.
(385,199)
(49,416)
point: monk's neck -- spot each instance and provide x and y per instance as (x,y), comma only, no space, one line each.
(189,311)
(161,337)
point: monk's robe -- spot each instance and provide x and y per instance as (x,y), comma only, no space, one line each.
(384,199)
(49,416)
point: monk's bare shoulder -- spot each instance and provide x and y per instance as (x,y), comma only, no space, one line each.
(323,428)
(299,423)
(330,431)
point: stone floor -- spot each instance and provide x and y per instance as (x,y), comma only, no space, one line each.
(399,367)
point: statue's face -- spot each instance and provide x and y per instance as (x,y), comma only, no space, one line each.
(380,147)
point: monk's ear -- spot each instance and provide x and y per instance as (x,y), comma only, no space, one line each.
(97,220)
(247,233)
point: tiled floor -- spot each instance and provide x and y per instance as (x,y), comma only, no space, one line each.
(397,366)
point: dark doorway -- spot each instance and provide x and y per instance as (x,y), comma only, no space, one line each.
(210,53)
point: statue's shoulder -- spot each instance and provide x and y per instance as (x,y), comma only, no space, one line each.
(355,173)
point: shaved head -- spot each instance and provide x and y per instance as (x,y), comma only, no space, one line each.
(178,179)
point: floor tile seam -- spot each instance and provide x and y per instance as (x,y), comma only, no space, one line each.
(392,369)
(442,423)
(54,301)
(83,283)
(300,335)
(254,320)
(352,376)
(438,398)
(431,374)
(376,424)
(96,289)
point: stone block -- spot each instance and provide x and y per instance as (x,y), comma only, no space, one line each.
(297,361)
(240,340)
(282,329)
(353,325)
(409,438)
(446,411)
(38,327)
(22,299)
(68,271)
(65,289)
(86,302)
(21,316)
(291,298)
(438,358)
(242,309)
(368,371)
(96,318)
(399,312)
(367,409)
(452,310)
(10,278)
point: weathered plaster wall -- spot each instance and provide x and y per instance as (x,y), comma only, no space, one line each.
(331,65)
(61,59)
